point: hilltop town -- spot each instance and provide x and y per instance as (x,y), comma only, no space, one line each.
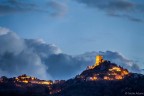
(97,80)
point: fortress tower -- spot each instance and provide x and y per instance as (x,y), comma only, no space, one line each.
(99,59)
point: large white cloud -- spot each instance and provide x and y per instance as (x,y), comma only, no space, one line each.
(10,42)
(19,56)
(42,48)
(3,31)
(46,61)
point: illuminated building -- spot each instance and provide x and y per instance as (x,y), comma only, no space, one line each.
(27,79)
(99,60)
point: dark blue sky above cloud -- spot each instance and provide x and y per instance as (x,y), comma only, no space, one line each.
(79,26)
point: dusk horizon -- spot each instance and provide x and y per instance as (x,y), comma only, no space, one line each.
(80,42)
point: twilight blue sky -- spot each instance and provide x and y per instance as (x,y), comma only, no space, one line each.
(79,26)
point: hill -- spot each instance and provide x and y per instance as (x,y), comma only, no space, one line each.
(107,79)
(101,79)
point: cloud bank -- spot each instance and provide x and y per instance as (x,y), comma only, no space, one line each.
(18,6)
(127,9)
(117,8)
(46,61)
(19,56)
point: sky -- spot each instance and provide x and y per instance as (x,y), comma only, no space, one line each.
(79,26)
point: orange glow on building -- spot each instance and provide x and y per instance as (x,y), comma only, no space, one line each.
(114,73)
(107,78)
(118,72)
(99,59)
(115,69)
(95,78)
(46,83)
(91,78)
(124,72)
(27,79)
(118,77)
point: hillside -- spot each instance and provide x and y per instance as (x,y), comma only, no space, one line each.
(101,79)
(107,79)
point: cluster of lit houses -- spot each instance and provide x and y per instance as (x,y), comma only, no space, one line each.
(28,79)
(114,73)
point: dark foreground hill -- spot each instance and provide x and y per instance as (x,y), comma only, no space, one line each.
(21,89)
(129,86)
(106,79)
